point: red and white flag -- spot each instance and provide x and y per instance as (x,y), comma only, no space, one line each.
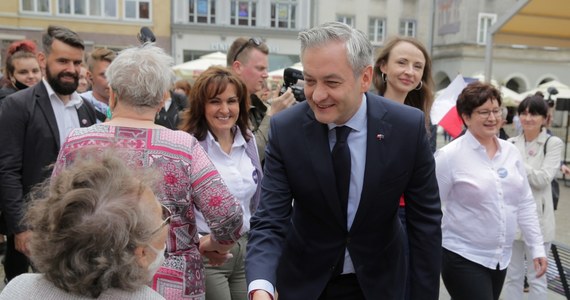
(443,111)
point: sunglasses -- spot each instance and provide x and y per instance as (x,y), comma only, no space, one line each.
(256,42)
(166,217)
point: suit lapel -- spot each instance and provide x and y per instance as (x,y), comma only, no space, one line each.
(43,101)
(377,141)
(316,134)
(85,116)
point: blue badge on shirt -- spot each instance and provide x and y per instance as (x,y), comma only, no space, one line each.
(502,172)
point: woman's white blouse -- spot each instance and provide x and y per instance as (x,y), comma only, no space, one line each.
(237,171)
(483,200)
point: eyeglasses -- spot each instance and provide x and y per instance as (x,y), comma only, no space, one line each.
(166,217)
(485,114)
(256,41)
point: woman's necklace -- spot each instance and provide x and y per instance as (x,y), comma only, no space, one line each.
(530,148)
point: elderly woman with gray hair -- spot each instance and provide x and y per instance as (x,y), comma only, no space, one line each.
(97,231)
(140,79)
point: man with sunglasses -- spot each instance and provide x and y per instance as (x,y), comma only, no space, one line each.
(249,59)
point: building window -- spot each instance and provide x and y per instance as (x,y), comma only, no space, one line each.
(202,11)
(485,22)
(348,20)
(92,8)
(243,12)
(283,14)
(137,9)
(408,28)
(376,30)
(35,6)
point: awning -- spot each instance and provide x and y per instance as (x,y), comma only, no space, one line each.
(538,23)
(542,23)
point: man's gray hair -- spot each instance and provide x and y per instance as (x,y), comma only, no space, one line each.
(358,48)
(140,76)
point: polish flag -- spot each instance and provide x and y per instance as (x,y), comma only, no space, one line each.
(443,111)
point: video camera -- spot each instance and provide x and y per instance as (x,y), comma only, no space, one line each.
(290,78)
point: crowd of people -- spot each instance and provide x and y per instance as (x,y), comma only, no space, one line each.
(116,182)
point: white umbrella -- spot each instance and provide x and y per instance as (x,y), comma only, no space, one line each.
(563,90)
(193,68)
(510,97)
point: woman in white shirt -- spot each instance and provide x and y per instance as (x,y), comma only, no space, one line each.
(485,194)
(218,118)
(541,154)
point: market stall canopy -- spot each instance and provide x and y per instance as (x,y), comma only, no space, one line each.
(537,23)
(192,69)
(541,23)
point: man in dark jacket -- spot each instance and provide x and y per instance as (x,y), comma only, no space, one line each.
(33,125)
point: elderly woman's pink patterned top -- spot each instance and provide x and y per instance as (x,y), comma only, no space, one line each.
(190,179)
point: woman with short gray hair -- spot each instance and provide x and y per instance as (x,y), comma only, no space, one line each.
(140,79)
(97,232)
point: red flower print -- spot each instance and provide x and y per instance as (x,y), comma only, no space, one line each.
(215,201)
(170,179)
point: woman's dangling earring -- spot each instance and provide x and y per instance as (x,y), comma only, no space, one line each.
(383,75)
(419,87)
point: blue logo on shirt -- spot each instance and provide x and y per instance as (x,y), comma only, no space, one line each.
(502,172)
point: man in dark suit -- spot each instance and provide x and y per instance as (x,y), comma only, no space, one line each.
(169,115)
(341,237)
(33,124)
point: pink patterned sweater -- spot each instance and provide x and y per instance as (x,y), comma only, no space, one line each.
(190,179)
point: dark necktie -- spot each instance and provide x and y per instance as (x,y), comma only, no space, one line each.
(341,165)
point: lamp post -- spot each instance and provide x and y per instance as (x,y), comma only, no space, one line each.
(561,105)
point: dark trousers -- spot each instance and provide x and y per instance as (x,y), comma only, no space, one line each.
(402,215)
(466,280)
(342,287)
(15,262)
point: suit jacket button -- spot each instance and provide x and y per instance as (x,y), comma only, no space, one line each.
(348,240)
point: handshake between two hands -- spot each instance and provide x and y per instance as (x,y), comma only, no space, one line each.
(219,254)
(216,253)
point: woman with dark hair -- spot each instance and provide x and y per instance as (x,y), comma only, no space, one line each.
(22,68)
(218,117)
(485,195)
(541,154)
(97,231)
